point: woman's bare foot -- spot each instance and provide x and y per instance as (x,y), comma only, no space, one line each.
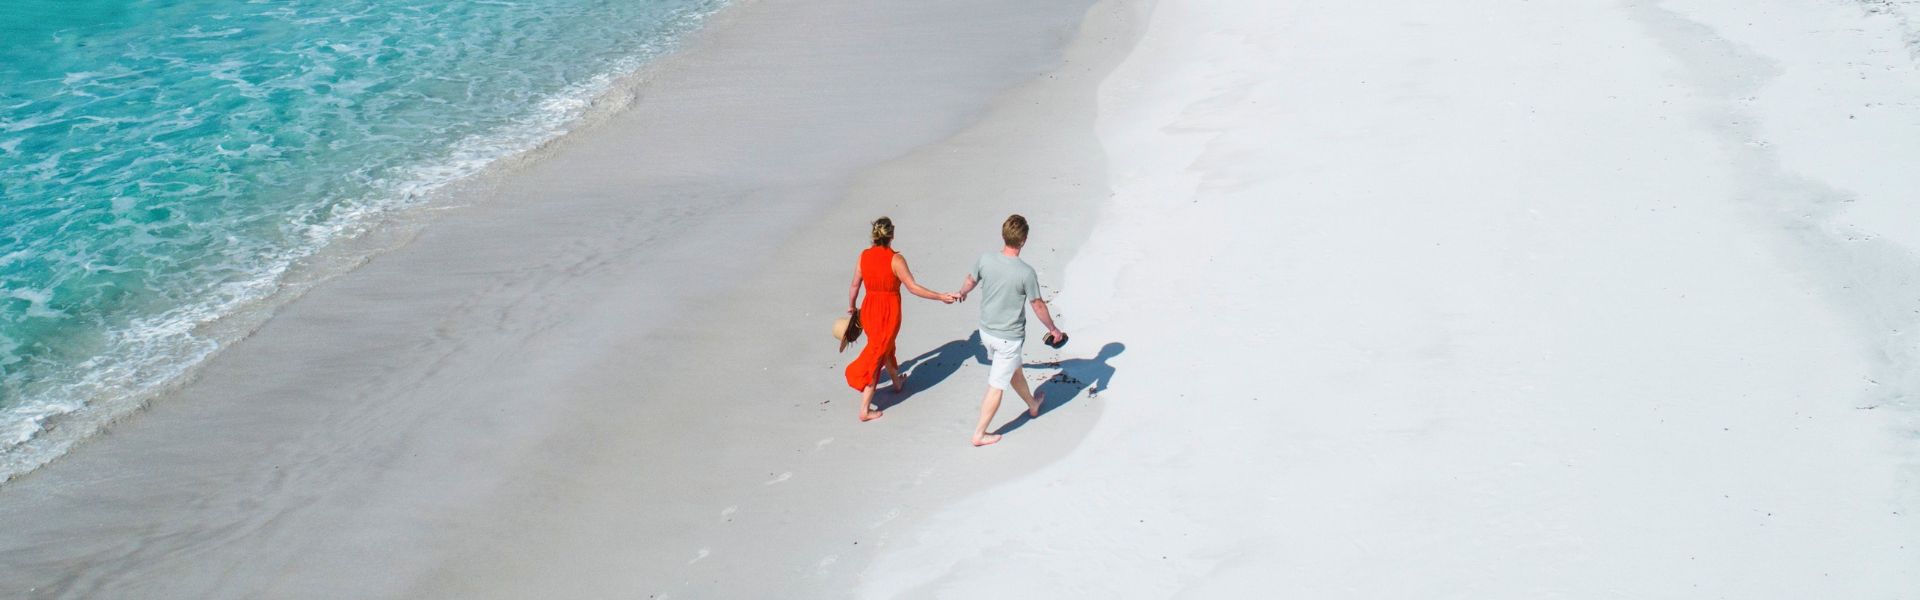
(985,440)
(899,385)
(868,411)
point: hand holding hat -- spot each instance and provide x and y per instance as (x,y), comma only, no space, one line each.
(847,329)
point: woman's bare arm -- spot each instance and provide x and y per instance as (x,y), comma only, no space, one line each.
(901,271)
(853,293)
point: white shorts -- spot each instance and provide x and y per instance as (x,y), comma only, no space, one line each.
(1006,358)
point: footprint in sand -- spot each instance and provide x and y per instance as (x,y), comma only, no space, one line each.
(889,517)
(726,514)
(697,556)
(783,477)
(822,443)
(826,563)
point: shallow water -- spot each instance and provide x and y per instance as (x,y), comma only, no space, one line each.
(163,163)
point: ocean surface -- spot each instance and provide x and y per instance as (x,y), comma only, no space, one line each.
(163,163)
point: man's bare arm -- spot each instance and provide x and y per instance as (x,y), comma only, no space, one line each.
(1046,318)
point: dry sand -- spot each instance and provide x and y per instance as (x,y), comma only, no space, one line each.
(1499,300)
(1385,299)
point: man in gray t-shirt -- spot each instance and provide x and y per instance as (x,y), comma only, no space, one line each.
(1010,286)
(1007,284)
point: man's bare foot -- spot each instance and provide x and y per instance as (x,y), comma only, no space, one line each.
(985,440)
(1033,406)
(870,415)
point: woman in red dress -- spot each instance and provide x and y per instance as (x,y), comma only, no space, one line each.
(882,271)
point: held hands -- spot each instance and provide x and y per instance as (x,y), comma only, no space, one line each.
(950,298)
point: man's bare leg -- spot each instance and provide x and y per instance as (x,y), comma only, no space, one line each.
(988,406)
(866,406)
(1026,394)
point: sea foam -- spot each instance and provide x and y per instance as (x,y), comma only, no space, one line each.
(164,165)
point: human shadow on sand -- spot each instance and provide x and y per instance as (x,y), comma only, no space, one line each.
(929,369)
(1075,375)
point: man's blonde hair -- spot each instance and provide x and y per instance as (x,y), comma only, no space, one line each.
(1014,231)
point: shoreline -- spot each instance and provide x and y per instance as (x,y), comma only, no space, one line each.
(356,416)
(377,226)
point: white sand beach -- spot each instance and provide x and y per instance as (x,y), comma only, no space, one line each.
(1389,299)
(1535,300)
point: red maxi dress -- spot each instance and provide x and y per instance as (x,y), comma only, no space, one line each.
(879,317)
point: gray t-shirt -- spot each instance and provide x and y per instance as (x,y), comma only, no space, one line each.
(1007,284)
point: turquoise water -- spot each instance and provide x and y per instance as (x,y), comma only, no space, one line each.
(164,162)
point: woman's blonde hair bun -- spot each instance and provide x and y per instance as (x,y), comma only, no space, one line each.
(883,231)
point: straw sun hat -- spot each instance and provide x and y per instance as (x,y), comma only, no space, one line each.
(847,329)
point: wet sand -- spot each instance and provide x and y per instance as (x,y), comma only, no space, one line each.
(560,382)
